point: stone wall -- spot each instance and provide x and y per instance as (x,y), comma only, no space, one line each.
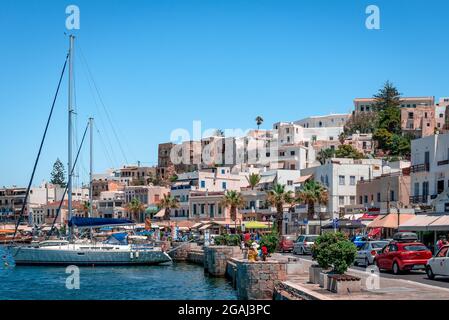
(196,256)
(257,280)
(182,253)
(216,259)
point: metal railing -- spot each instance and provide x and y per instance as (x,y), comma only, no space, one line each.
(420,167)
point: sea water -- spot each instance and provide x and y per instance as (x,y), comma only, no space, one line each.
(164,282)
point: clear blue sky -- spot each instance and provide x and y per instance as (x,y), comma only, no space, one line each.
(159,65)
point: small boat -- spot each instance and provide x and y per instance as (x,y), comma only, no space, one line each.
(114,251)
(7,237)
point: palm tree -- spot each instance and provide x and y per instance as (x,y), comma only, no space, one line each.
(86,208)
(325,154)
(259,121)
(312,193)
(135,207)
(168,202)
(253,180)
(233,200)
(278,197)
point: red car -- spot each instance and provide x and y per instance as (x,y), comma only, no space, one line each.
(287,243)
(399,256)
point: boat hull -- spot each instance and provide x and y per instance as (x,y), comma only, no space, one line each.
(42,256)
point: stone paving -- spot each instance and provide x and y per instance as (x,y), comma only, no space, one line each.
(373,288)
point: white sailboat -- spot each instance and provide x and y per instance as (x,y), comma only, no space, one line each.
(71,252)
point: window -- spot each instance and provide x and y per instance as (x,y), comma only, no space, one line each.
(443,252)
(392,195)
(360,200)
(367,108)
(292,153)
(223,185)
(341,200)
(289,182)
(378,197)
(203,184)
(220,210)
(410,115)
(352,180)
(222,171)
(365,199)
(352,200)
(425,115)
(441,115)
(202,208)
(341,180)
(362,108)
(425,188)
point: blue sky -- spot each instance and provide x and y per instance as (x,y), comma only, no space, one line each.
(159,65)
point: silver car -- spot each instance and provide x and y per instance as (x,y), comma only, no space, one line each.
(304,243)
(365,255)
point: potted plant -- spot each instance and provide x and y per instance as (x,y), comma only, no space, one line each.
(334,254)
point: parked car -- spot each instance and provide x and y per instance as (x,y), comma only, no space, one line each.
(438,265)
(365,255)
(286,243)
(304,243)
(360,241)
(404,253)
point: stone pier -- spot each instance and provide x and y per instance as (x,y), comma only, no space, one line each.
(216,259)
(182,253)
(257,280)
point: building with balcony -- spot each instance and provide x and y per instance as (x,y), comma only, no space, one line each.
(340,178)
(368,104)
(418,121)
(111,205)
(429,168)
(331,120)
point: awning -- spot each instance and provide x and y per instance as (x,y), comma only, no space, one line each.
(374,232)
(419,223)
(160,214)
(255,225)
(181,184)
(345,224)
(442,224)
(196,225)
(97,222)
(304,178)
(207,226)
(267,179)
(368,216)
(390,220)
(353,216)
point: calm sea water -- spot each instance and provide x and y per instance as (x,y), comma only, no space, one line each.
(169,282)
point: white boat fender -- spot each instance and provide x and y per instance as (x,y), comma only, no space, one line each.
(137,254)
(131,255)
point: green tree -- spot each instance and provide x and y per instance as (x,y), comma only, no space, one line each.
(278,197)
(311,193)
(259,121)
(168,202)
(233,200)
(387,97)
(348,151)
(253,180)
(325,154)
(58,174)
(361,122)
(135,208)
(334,250)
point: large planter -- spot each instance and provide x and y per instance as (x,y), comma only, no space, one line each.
(324,280)
(314,273)
(344,284)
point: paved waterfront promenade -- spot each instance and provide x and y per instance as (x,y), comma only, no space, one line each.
(298,286)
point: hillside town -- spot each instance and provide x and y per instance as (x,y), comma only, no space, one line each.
(383,167)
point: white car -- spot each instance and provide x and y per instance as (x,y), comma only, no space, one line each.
(365,255)
(438,265)
(304,243)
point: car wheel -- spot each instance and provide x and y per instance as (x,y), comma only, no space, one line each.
(430,273)
(396,269)
(356,263)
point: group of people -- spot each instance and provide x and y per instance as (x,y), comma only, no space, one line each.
(255,251)
(442,242)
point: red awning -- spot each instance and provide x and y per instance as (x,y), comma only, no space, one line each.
(368,216)
(374,232)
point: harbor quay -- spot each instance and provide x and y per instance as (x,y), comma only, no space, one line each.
(287,277)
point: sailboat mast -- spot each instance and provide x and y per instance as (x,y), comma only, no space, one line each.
(91,124)
(70,107)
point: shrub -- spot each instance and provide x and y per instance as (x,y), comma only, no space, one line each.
(227,240)
(271,241)
(334,250)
